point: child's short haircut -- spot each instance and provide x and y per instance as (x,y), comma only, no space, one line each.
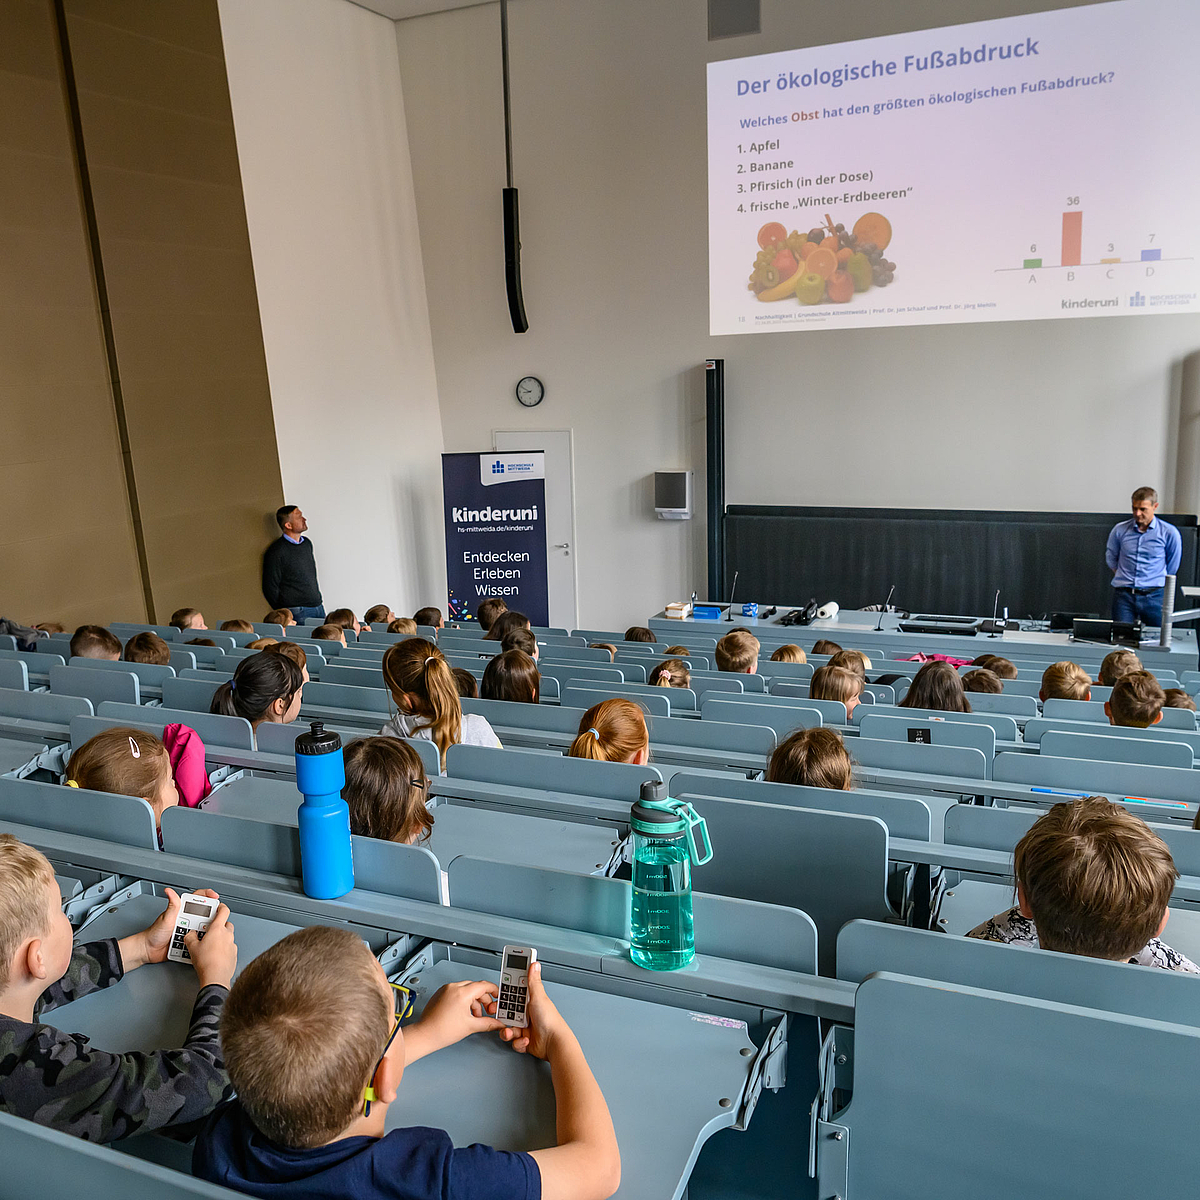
(639,633)
(1177,698)
(1136,700)
(1096,879)
(343,617)
(107,763)
(328,633)
(1004,667)
(983,660)
(675,650)
(850,660)
(468,689)
(1116,664)
(94,641)
(303,1027)
(520,639)
(236,626)
(671,673)
(148,648)
(386,790)
(428,616)
(812,758)
(262,643)
(200,642)
(825,646)
(737,651)
(50,627)
(377,614)
(489,610)
(835,683)
(791,653)
(612,650)
(182,618)
(1066,681)
(983,679)
(25,874)
(403,625)
(279,616)
(289,649)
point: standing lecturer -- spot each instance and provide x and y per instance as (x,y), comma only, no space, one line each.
(1141,552)
(290,570)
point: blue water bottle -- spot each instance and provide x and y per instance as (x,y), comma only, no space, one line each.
(665,832)
(325,860)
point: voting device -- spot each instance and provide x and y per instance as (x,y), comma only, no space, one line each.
(513,1003)
(195,912)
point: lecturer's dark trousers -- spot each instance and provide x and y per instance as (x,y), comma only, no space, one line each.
(1130,603)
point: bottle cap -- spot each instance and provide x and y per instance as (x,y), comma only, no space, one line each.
(317,741)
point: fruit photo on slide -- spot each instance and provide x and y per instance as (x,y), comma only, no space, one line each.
(826,265)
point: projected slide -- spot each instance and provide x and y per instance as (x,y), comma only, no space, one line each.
(1009,170)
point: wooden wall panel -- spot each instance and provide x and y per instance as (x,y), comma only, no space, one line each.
(162,156)
(67,550)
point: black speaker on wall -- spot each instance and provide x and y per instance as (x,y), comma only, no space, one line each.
(732,18)
(512,261)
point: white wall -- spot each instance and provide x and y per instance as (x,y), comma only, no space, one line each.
(320,121)
(609,125)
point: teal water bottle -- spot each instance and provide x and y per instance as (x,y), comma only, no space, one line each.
(665,834)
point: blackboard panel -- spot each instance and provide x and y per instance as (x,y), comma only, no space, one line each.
(940,561)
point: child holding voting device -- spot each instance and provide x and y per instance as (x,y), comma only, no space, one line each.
(57,1078)
(317,1053)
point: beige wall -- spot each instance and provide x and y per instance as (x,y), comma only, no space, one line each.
(161,151)
(66,540)
(609,116)
(321,120)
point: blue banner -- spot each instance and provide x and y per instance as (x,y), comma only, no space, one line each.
(495,510)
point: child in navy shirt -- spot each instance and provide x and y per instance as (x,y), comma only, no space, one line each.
(315,1051)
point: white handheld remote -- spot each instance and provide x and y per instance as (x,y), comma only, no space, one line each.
(512,1006)
(195,912)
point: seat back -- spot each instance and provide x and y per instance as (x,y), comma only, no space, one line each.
(1005,726)
(938,733)
(149,674)
(96,686)
(1087,1104)
(653,701)
(966,762)
(14,674)
(831,865)
(195,695)
(1093,777)
(214,729)
(548,772)
(1151,752)
(1007,705)
(782,718)
(124,819)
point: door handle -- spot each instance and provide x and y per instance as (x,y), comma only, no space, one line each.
(562,546)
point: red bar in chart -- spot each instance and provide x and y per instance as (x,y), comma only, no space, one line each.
(1072,239)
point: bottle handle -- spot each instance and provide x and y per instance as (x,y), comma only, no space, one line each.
(696,825)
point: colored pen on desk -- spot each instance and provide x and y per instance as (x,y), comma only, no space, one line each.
(1044,791)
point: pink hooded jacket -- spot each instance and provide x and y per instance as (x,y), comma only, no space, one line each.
(186,752)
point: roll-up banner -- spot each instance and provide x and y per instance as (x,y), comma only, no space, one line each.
(496,532)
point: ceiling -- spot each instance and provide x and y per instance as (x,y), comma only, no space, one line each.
(398,10)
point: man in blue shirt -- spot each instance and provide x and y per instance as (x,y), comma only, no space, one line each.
(1141,552)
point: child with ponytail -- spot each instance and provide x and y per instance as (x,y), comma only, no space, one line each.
(265,687)
(613,731)
(671,673)
(423,688)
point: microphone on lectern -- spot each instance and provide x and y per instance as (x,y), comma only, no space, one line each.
(879,623)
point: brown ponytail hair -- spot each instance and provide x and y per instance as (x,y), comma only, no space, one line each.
(417,668)
(611,731)
(672,673)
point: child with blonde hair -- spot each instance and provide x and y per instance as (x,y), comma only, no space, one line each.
(837,683)
(387,791)
(424,690)
(825,646)
(1092,879)
(791,653)
(329,633)
(317,1054)
(403,625)
(613,731)
(738,652)
(1065,681)
(279,616)
(236,626)
(1116,664)
(262,643)
(1178,698)
(60,1079)
(612,650)
(851,660)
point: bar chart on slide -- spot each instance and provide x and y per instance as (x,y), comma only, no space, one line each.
(1071,253)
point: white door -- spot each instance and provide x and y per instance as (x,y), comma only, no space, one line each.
(560,515)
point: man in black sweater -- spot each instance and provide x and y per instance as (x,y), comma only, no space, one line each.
(289,569)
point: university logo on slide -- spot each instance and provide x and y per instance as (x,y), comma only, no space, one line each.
(497,468)
(1137,300)
(507,468)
